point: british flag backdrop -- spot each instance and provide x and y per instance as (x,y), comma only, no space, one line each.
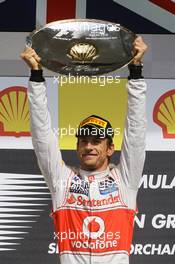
(146,17)
(25,16)
(17,15)
(26,230)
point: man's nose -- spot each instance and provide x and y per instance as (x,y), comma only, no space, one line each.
(89,145)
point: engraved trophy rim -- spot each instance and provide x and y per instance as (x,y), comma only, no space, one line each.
(102,70)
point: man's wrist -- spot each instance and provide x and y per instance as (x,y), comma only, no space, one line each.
(37,76)
(136,61)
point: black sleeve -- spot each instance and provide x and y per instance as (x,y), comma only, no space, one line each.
(135,71)
(37,76)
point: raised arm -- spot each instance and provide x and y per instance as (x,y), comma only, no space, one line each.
(44,141)
(133,146)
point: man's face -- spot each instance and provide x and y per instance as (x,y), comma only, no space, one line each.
(94,152)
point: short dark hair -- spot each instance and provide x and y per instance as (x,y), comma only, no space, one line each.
(109,141)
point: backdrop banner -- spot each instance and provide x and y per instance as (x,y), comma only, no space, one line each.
(26,230)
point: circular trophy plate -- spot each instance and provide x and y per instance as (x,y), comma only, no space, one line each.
(82,46)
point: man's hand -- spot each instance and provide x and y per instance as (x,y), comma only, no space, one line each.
(139,47)
(31,58)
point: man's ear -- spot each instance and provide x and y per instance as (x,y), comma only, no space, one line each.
(110,150)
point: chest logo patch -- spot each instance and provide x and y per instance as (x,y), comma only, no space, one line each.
(93,226)
(79,186)
(107,186)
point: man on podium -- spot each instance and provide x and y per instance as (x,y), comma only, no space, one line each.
(94,206)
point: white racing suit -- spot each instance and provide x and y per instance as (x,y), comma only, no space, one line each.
(93,212)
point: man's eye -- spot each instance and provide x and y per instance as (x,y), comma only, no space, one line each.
(97,141)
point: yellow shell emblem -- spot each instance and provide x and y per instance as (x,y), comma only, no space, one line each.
(83,52)
(14,112)
(164,114)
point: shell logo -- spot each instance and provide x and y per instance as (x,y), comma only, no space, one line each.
(164,114)
(14,112)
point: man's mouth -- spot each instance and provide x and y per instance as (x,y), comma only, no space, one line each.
(89,155)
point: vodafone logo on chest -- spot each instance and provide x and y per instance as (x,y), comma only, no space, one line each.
(93,226)
(94,231)
(95,236)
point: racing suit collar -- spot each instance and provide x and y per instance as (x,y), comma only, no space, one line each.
(96,174)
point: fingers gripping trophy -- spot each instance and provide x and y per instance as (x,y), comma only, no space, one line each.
(96,202)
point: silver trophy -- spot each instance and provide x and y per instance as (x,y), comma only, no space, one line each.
(83,46)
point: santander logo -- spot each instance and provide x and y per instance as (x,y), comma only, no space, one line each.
(71,199)
(80,201)
(93,226)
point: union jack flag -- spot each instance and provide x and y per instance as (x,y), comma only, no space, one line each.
(143,16)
